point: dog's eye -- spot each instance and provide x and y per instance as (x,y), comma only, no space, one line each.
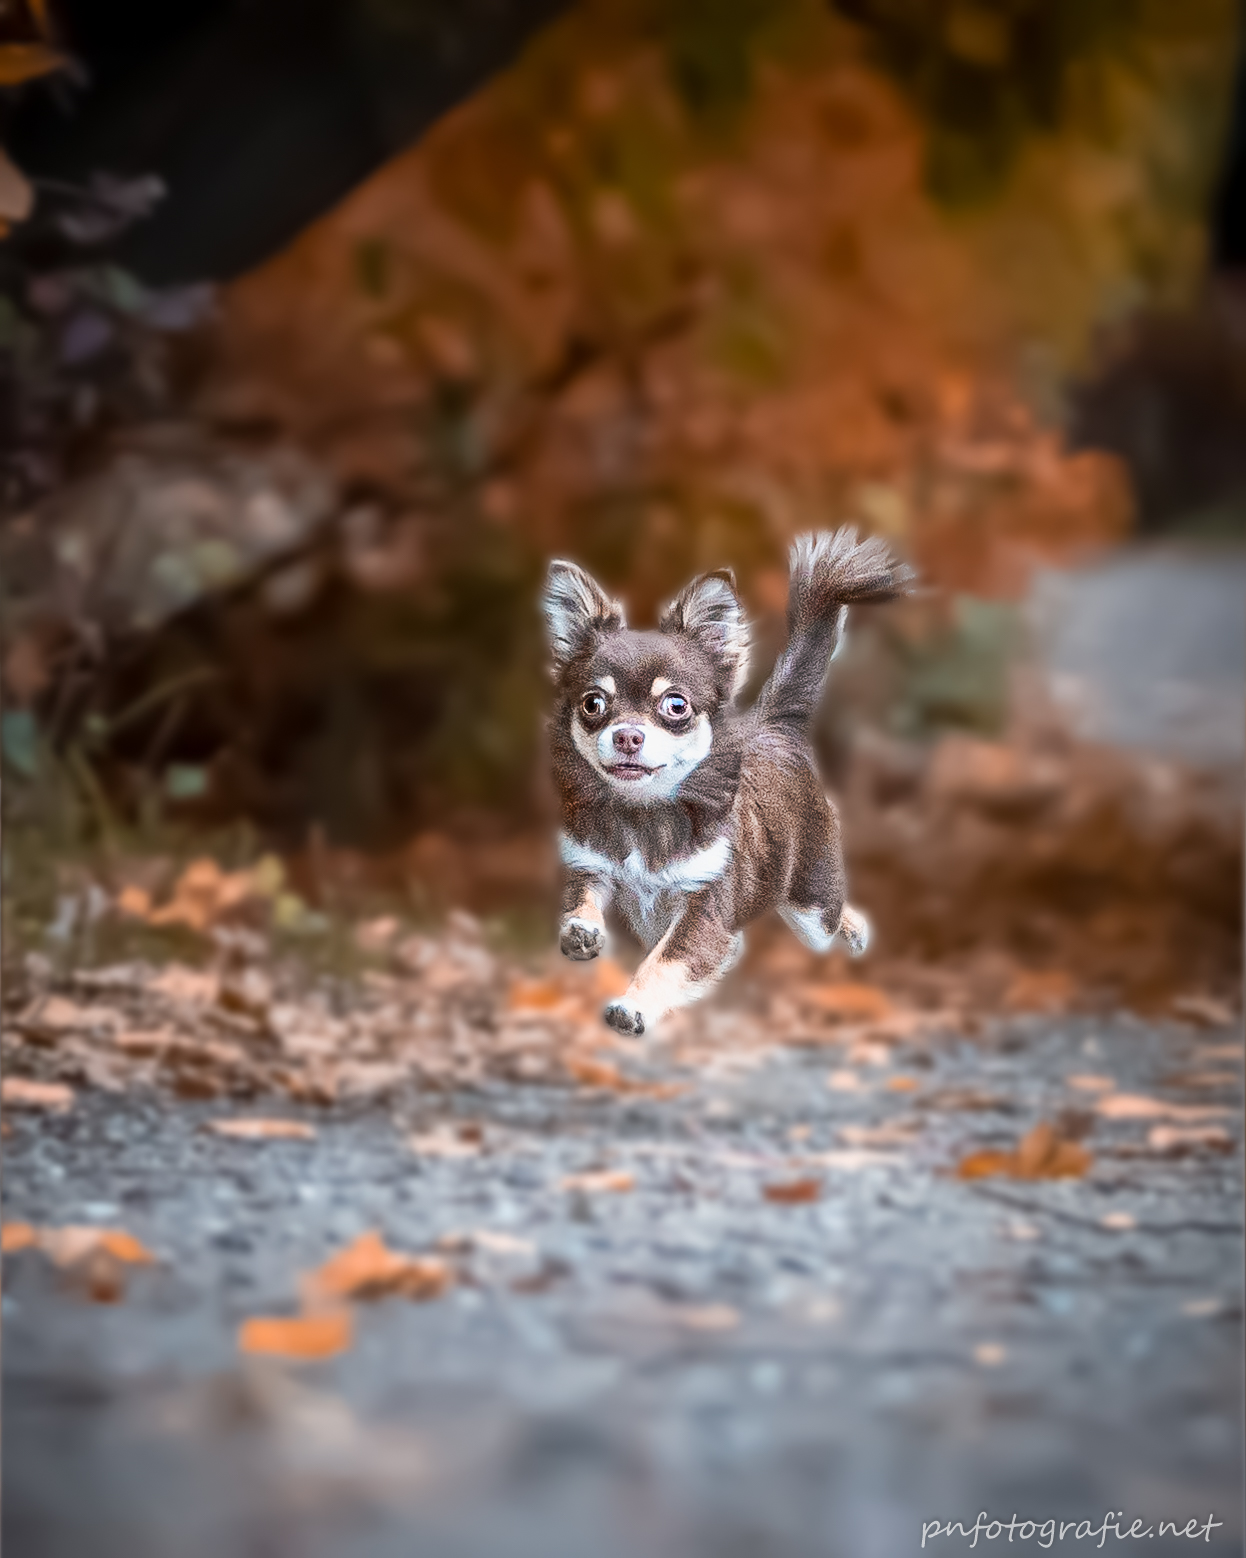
(593,705)
(674,706)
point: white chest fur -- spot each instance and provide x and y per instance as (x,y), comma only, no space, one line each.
(640,888)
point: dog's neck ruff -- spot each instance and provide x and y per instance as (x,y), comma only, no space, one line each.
(683,874)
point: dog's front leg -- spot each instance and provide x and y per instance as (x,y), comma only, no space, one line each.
(582,927)
(695,953)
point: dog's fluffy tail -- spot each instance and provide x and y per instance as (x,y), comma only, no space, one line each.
(829,572)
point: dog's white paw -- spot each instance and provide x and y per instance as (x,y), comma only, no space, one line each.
(625,1016)
(581,940)
(855,929)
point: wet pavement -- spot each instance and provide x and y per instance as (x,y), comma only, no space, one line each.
(681,1368)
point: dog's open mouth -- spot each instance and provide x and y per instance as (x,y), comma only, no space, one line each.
(632,770)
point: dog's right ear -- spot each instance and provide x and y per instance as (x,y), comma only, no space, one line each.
(575,607)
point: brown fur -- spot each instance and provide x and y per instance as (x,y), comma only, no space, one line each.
(694,817)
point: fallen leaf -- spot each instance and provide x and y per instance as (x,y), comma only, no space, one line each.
(847,1001)
(1199,1081)
(253,1128)
(75,1242)
(1223,1052)
(902,1084)
(375,936)
(1202,1308)
(793,1192)
(1205,1010)
(94,1258)
(985,1163)
(55,1014)
(1086,1082)
(17,1236)
(600,1073)
(535,995)
(600,1181)
(204,893)
(609,978)
(186,986)
(897,1135)
(447,1141)
(143,1041)
(369,1269)
(843,1082)
(134,901)
(1034,1149)
(1136,1106)
(300,1336)
(990,1354)
(705,1317)
(23,1093)
(1178,1140)
(1035,990)
(1040,1154)
(1118,1222)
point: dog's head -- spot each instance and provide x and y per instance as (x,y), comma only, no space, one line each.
(640,707)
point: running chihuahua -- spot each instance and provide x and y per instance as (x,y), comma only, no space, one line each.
(691,816)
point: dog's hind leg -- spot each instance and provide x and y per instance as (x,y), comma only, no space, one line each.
(694,954)
(816,908)
(813,926)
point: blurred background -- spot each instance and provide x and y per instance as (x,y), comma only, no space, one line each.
(325,323)
(320,335)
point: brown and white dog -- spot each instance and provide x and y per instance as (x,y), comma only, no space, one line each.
(689,815)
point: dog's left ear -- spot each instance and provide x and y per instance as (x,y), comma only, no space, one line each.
(709,611)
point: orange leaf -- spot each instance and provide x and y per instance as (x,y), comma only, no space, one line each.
(1090,1082)
(793,1192)
(600,1073)
(1040,1154)
(535,995)
(601,1181)
(1046,990)
(1136,1106)
(984,1164)
(596,1073)
(368,1269)
(253,1128)
(1034,1149)
(609,979)
(134,901)
(903,1084)
(78,1242)
(17,1236)
(1177,1139)
(301,1336)
(848,1001)
(23,1093)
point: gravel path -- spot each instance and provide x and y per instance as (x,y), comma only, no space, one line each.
(684,1368)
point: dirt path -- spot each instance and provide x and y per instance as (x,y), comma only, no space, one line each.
(682,1367)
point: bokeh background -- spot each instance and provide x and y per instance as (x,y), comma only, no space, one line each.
(323,325)
(320,339)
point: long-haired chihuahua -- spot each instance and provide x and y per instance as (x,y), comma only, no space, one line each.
(688,815)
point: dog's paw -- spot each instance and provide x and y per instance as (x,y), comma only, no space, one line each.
(625,1017)
(855,929)
(581,940)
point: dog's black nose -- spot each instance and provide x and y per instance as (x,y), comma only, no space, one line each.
(629,739)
